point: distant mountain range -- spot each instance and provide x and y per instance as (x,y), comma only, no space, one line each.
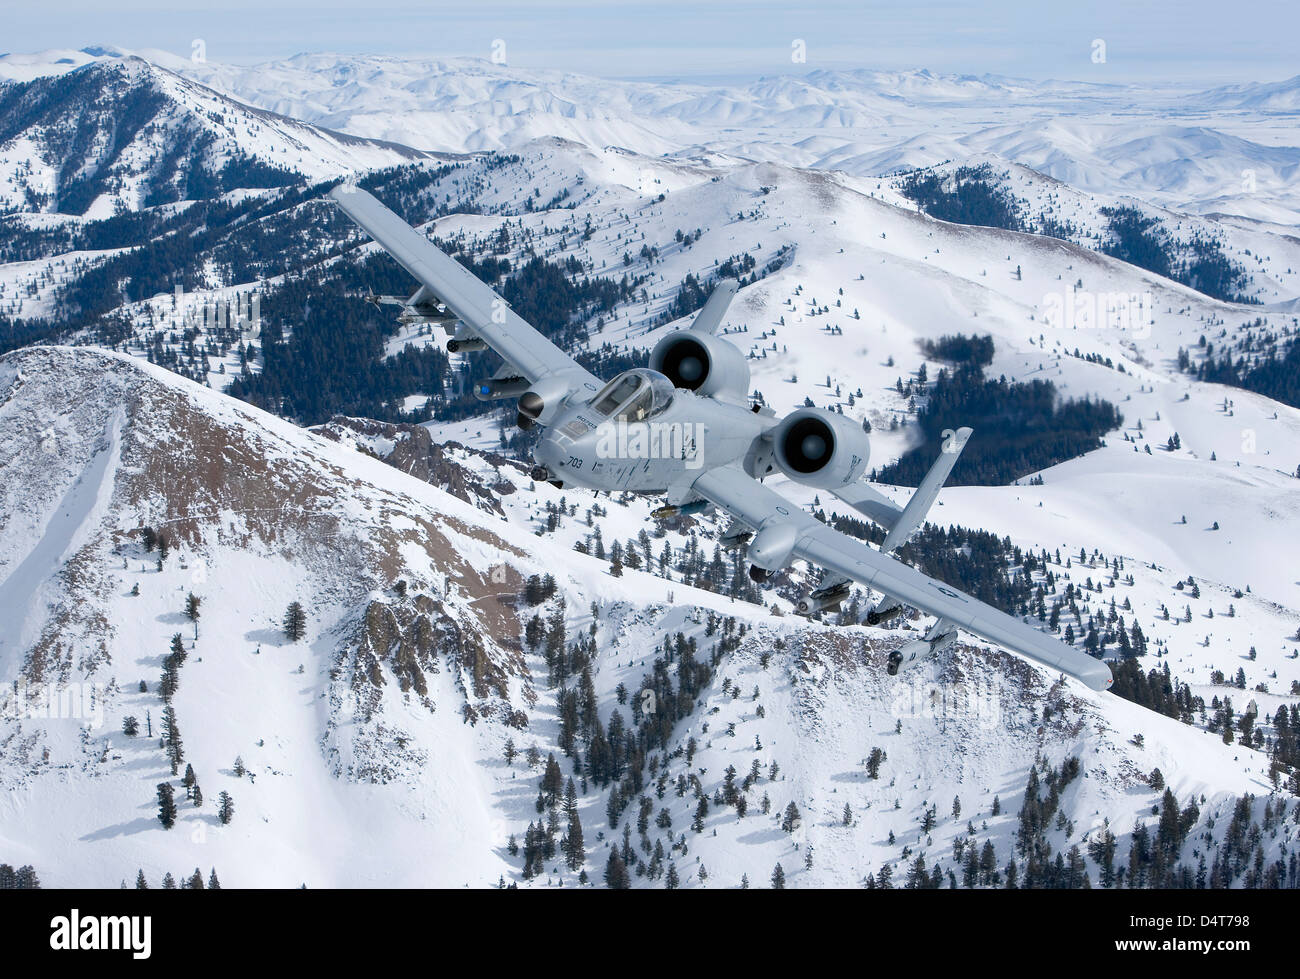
(1173,146)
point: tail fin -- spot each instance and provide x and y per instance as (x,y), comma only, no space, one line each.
(710,317)
(919,505)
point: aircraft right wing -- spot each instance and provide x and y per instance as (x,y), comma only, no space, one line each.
(759,507)
(473,302)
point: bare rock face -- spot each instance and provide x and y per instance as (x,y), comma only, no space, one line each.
(404,583)
(412,450)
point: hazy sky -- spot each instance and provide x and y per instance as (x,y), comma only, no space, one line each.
(1190,41)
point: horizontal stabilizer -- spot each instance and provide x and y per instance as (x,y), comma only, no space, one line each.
(871,503)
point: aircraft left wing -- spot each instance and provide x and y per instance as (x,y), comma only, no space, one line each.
(759,507)
(473,302)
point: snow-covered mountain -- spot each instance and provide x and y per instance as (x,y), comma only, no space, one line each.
(374,749)
(1234,146)
(388,721)
(124,134)
(1281,97)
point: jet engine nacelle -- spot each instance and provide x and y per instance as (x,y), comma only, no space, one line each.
(702,363)
(820,448)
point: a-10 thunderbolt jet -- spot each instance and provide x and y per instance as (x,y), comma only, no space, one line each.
(684,428)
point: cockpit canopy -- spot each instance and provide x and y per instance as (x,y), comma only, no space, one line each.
(634,396)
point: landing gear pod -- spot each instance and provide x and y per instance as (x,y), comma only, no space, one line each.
(465,345)
(907,655)
(941,635)
(770,550)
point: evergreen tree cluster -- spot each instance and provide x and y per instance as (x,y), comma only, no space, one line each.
(1019,428)
(969,195)
(629,756)
(1274,372)
(1199,263)
(559,830)
(960,350)
(1043,792)
(194,882)
(22,879)
(1155,690)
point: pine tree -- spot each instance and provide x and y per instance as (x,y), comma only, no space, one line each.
(672,881)
(166,805)
(778,878)
(213,883)
(847,818)
(574,849)
(874,761)
(917,876)
(195,883)
(130,726)
(140,883)
(295,622)
(226,809)
(616,875)
(169,681)
(172,739)
(701,812)
(192,603)
(790,819)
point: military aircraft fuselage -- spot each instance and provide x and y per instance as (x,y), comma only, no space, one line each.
(585,446)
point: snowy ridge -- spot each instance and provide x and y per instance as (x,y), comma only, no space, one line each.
(140,134)
(381,735)
(1175,147)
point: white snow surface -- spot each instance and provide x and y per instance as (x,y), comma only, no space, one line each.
(351,783)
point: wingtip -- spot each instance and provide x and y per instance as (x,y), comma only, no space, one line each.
(343,190)
(1099,678)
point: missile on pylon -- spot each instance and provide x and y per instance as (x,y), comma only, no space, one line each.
(824,599)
